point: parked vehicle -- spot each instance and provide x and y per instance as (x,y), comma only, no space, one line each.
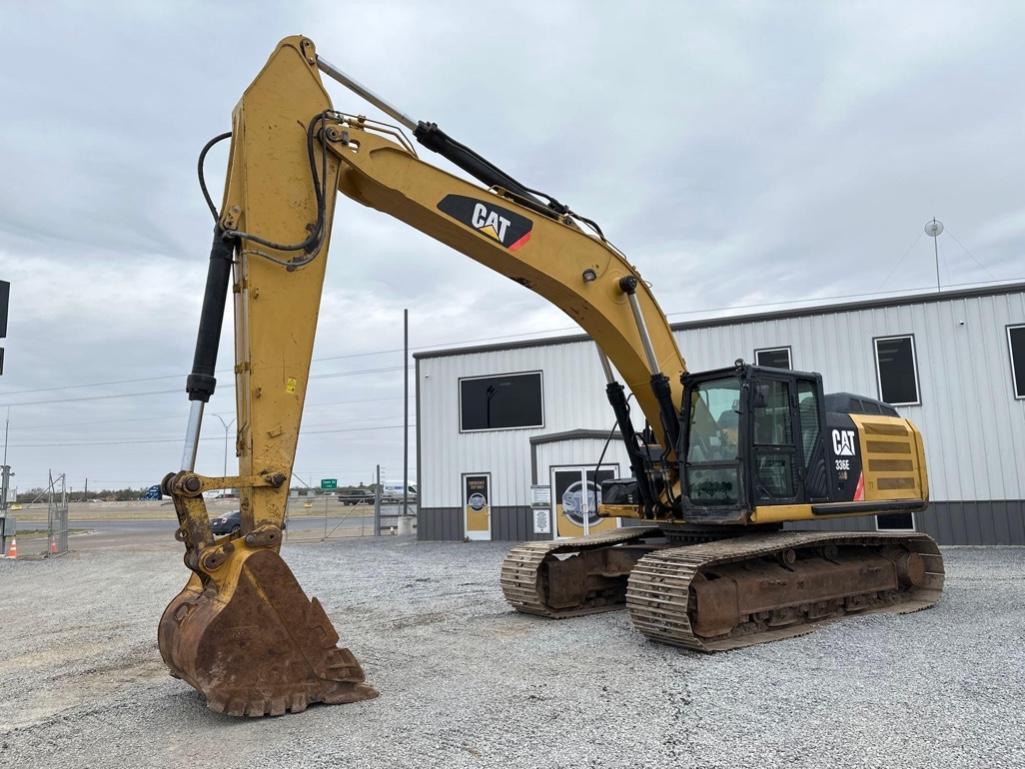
(361,497)
(391,491)
(230,523)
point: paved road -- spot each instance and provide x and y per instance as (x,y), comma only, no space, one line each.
(303,523)
(147,533)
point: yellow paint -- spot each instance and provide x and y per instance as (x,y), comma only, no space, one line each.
(564,527)
(618,511)
(892,459)
(478,520)
(270,193)
(781,513)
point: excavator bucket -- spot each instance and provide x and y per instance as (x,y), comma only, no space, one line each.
(252,642)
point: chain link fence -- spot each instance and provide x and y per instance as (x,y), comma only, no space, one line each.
(57,516)
(325,516)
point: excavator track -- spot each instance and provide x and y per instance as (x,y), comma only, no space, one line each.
(535,580)
(747,590)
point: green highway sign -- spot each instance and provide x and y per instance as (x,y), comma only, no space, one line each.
(329,483)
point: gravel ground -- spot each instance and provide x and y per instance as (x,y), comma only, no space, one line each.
(465,682)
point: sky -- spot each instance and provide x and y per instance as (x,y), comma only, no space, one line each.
(741,154)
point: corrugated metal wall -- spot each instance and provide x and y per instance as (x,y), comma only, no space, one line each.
(974,428)
(511,524)
(584,451)
(574,397)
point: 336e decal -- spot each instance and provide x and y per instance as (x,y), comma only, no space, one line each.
(507,227)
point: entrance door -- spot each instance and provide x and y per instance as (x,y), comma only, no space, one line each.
(477,506)
(577,493)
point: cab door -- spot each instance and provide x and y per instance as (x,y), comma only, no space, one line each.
(811,415)
(776,466)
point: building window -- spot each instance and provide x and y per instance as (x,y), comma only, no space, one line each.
(1016,346)
(773,357)
(501,402)
(895,522)
(897,370)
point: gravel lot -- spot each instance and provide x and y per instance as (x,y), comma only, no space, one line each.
(467,683)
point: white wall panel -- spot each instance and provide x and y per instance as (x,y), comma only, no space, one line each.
(583,451)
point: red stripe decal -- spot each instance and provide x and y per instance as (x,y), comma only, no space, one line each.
(859,491)
(519,243)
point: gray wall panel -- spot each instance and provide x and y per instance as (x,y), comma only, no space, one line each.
(514,524)
(439,523)
(987,522)
(508,524)
(982,522)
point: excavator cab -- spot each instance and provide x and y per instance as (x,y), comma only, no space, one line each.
(755,438)
(751,436)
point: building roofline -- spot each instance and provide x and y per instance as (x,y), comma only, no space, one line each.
(729,320)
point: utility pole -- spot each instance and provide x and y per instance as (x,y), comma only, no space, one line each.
(405,406)
(227,426)
(5,483)
(377,503)
(6,469)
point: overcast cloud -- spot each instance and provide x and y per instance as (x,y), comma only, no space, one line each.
(739,154)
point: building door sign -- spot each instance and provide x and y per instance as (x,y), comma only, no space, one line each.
(575,501)
(477,506)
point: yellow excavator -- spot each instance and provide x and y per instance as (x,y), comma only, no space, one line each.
(723,460)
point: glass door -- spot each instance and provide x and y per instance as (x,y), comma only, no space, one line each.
(575,498)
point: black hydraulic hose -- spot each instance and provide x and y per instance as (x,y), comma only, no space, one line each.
(670,418)
(201,382)
(202,176)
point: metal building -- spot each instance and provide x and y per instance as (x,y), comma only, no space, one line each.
(509,435)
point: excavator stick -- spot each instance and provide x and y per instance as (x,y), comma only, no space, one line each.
(242,631)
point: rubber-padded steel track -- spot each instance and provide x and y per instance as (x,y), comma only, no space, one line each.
(661,598)
(524,581)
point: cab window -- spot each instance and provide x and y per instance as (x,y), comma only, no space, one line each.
(712,467)
(772,414)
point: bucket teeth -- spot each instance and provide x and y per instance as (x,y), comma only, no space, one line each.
(278,706)
(298,703)
(235,708)
(256,708)
(253,644)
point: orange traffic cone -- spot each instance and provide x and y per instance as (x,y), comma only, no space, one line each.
(13,552)
(53,547)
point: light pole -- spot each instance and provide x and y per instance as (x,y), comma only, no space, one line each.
(934,229)
(227,426)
